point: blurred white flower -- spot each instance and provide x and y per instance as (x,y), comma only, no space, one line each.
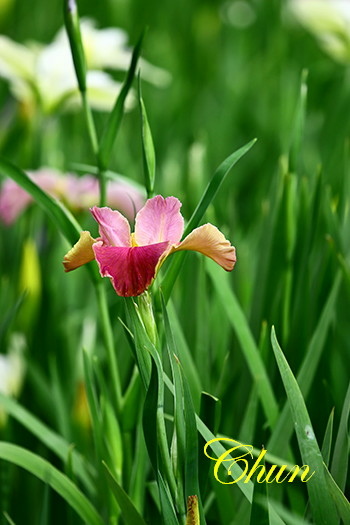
(329,21)
(107,48)
(238,14)
(12,370)
(45,75)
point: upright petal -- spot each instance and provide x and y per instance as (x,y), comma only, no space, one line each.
(209,241)
(131,270)
(113,226)
(80,254)
(159,220)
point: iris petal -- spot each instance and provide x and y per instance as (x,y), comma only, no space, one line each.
(131,269)
(113,226)
(80,254)
(159,220)
(209,241)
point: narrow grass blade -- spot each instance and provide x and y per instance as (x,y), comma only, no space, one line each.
(342,504)
(260,507)
(191,459)
(113,437)
(63,219)
(246,432)
(307,371)
(139,470)
(342,446)
(150,418)
(142,343)
(112,127)
(289,518)
(248,346)
(327,440)
(129,512)
(83,470)
(219,449)
(9,315)
(186,426)
(184,354)
(8,519)
(96,415)
(210,414)
(148,153)
(168,511)
(247,429)
(178,449)
(321,503)
(155,434)
(299,125)
(208,196)
(43,470)
(131,409)
(71,20)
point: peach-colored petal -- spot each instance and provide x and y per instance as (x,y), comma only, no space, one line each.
(159,220)
(209,241)
(131,269)
(80,254)
(113,226)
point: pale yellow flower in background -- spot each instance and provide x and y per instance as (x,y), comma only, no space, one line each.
(45,75)
(328,21)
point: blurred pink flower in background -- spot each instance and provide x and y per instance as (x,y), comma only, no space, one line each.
(78,193)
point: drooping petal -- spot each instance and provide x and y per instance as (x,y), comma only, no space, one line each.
(209,241)
(159,220)
(113,226)
(131,270)
(81,253)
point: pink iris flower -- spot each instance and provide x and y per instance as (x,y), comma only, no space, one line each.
(132,260)
(78,193)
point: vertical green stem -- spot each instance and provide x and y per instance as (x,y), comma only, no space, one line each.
(100,290)
(95,148)
(109,343)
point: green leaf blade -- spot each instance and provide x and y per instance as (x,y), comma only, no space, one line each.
(43,470)
(322,506)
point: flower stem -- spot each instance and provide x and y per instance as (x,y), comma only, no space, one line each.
(109,344)
(95,148)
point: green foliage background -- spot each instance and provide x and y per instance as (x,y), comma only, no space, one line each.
(285,206)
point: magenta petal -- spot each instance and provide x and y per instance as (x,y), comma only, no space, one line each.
(158,221)
(113,227)
(131,270)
